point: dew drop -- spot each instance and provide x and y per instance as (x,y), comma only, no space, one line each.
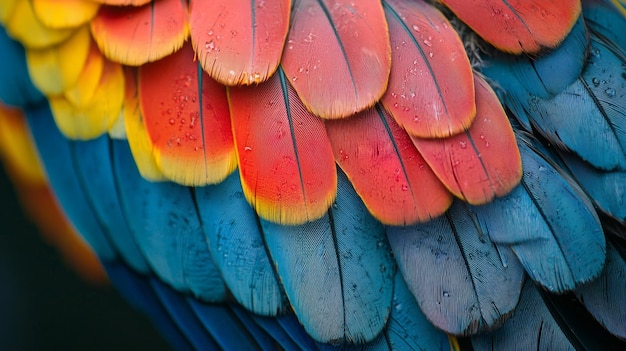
(610,92)
(596,82)
(463,144)
(416,28)
(172,121)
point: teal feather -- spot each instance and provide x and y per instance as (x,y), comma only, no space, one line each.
(16,88)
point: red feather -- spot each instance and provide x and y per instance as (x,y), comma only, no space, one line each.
(431,88)
(482,162)
(518,26)
(337,55)
(187,118)
(286,163)
(239,41)
(136,35)
(392,178)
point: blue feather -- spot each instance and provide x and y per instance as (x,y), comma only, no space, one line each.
(604,18)
(604,297)
(16,88)
(137,291)
(549,224)
(94,167)
(531,327)
(61,167)
(263,339)
(167,229)
(184,316)
(233,233)
(224,326)
(337,271)
(462,282)
(275,330)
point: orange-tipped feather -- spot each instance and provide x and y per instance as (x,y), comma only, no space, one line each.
(134,36)
(186,115)
(431,88)
(337,55)
(518,26)
(239,41)
(392,178)
(286,162)
(482,162)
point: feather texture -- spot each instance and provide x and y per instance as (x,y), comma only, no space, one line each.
(431,87)
(337,55)
(239,42)
(65,13)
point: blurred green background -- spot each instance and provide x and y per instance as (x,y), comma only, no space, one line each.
(45,306)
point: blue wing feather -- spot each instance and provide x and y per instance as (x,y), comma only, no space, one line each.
(337,271)
(234,237)
(16,88)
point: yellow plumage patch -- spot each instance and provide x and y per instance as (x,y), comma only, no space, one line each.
(82,93)
(65,13)
(55,69)
(23,25)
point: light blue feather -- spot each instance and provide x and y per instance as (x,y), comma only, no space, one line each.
(94,167)
(167,229)
(462,282)
(16,88)
(233,233)
(336,271)
(61,168)
(549,224)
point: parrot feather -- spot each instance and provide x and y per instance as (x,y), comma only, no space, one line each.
(607,18)
(431,87)
(134,36)
(87,122)
(136,289)
(549,224)
(16,87)
(337,56)
(230,54)
(167,229)
(471,164)
(531,327)
(263,339)
(463,283)
(232,231)
(285,159)
(123,2)
(56,69)
(93,166)
(83,92)
(136,133)
(388,173)
(186,115)
(24,26)
(275,330)
(224,326)
(6,10)
(65,13)
(604,297)
(336,271)
(518,26)
(184,316)
(56,153)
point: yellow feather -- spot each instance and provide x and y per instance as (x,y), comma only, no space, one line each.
(16,147)
(23,25)
(118,129)
(140,144)
(89,122)
(55,69)
(65,13)
(82,93)
(196,173)
(6,9)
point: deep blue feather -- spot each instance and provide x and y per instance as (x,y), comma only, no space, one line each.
(336,271)
(271,326)
(184,316)
(138,292)
(16,88)
(462,282)
(604,18)
(167,229)
(233,234)
(549,224)
(263,339)
(61,168)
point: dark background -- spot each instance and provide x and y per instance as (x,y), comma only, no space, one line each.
(46,306)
